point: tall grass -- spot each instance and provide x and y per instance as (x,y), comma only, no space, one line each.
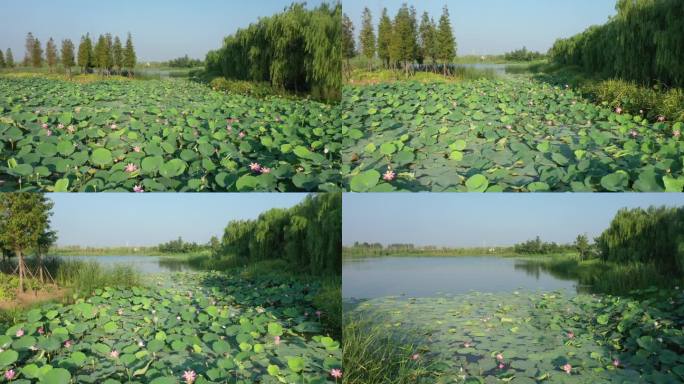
(85,277)
(372,354)
(458,74)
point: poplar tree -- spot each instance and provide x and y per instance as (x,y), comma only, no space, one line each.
(445,39)
(68,55)
(110,51)
(117,53)
(37,54)
(415,39)
(348,45)
(51,54)
(85,53)
(2,60)
(129,58)
(29,45)
(384,38)
(367,37)
(9,58)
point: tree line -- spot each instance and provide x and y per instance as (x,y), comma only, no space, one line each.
(642,43)
(180,246)
(185,62)
(402,41)
(296,50)
(653,235)
(25,227)
(308,235)
(108,55)
(7,59)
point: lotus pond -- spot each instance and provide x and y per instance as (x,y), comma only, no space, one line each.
(161,135)
(509,134)
(540,337)
(225,329)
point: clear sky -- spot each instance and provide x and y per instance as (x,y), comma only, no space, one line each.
(161,29)
(498,26)
(474,220)
(140,219)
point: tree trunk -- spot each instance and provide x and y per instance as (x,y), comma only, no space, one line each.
(21,270)
(40,266)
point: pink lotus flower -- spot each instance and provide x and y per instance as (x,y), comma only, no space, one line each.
(130,168)
(41,330)
(677,133)
(189,376)
(389,175)
(415,357)
(45,126)
(48,132)
(467,344)
(567,368)
(68,344)
(318,314)
(255,167)
(229,128)
(60,126)
(618,110)
(276,340)
(502,365)
(113,126)
(634,133)
(20,332)
(661,118)
(241,134)
(509,127)
(265,170)
(336,373)
(114,354)
(499,356)
(138,189)
(137,149)
(9,374)
(616,363)
(571,335)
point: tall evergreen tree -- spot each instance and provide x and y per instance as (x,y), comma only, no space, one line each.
(129,58)
(37,54)
(9,58)
(117,53)
(403,38)
(85,53)
(29,45)
(3,64)
(446,40)
(384,38)
(68,55)
(428,38)
(51,54)
(417,52)
(110,51)
(348,45)
(367,37)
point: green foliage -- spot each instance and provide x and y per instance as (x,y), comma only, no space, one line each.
(179,136)
(652,235)
(51,53)
(129,56)
(86,277)
(367,36)
(523,55)
(3,64)
(9,58)
(642,43)
(385,38)
(538,247)
(86,56)
(117,54)
(297,50)
(180,246)
(28,48)
(184,62)
(348,43)
(428,39)
(446,41)
(68,55)
(520,135)
(307,235)
(36,54)
(242,87)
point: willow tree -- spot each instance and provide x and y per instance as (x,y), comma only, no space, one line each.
(25,217)
(367,37)
(384,38)
(51,54)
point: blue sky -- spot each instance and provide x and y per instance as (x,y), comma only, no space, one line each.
(473,220)
(498,26)
(161,29)
(111,219)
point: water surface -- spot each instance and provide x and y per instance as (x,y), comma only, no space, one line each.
(142,264)
(433,276)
